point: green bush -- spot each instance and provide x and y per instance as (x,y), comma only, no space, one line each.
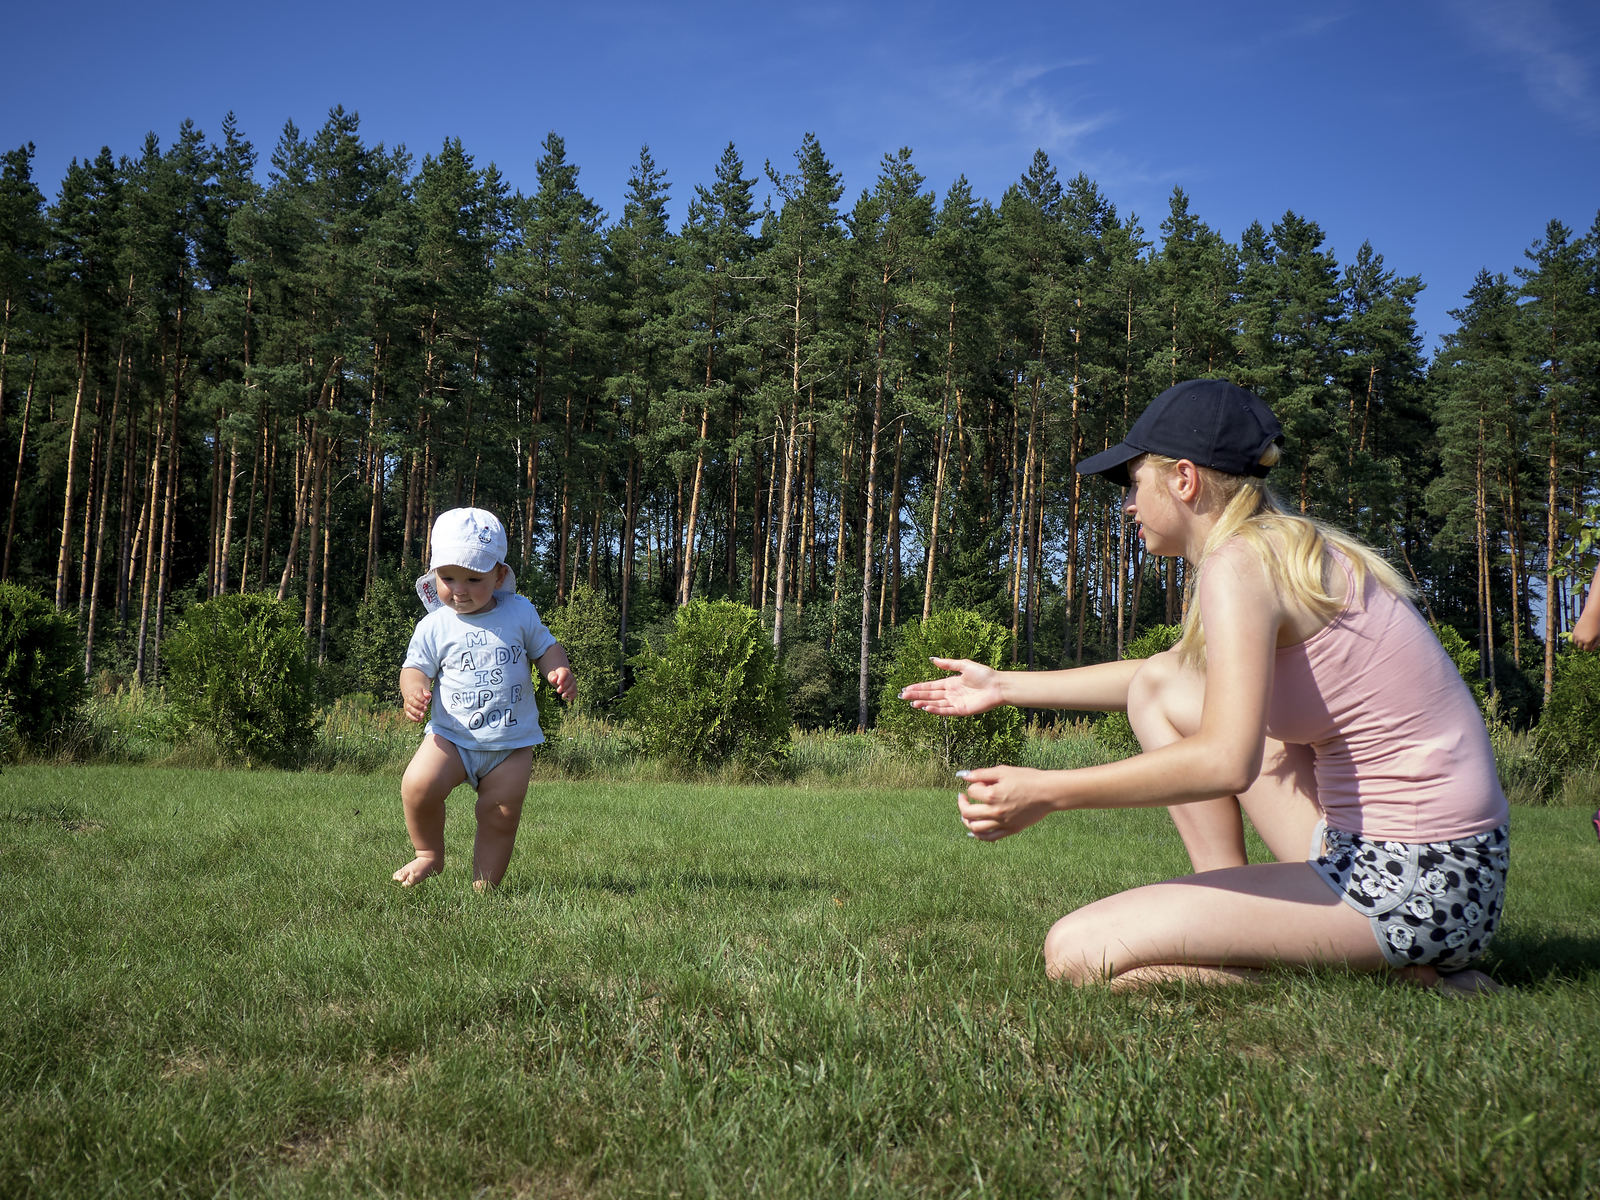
(385,621)
(1527,776)
(1466,659)
(586,627)
(236,667)
(1114,731)
(955,742)
(1569,726)
(41,666)
(713,693)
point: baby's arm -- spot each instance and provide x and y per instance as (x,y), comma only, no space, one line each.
(1586,633)
(555,668)
(416,690)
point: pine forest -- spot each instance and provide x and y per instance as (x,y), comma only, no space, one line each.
(221,375)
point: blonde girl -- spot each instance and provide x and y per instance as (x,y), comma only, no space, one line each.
(1305,693)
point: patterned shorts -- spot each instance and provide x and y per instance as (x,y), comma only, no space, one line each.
(1431,903)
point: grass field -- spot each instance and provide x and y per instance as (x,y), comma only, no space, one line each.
(208,986)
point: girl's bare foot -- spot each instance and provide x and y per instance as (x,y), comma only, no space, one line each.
(1468,982)
(419,868)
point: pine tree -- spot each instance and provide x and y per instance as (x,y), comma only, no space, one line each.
(638,262)
(1562,324)
(891,228)
(805,240)
(712,301)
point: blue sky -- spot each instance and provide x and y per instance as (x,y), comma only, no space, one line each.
(1448,134)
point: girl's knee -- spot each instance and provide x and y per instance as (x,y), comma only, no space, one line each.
(1069,956)
(1165,700)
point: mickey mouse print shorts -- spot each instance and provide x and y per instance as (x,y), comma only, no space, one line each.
(1433,904)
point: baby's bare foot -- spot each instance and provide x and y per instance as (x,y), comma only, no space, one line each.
(484,885)
(419,868)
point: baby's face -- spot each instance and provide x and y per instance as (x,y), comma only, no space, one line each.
(468,591)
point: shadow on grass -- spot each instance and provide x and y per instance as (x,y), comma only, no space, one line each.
(702,881)
(73,818)
(1520,959)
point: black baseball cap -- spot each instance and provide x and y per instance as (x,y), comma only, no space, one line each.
(1211,422)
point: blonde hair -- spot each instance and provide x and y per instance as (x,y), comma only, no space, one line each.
(1293,547)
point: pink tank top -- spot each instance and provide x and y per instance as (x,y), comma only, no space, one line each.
(1400,747)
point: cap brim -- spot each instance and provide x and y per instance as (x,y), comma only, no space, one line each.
(1111,464)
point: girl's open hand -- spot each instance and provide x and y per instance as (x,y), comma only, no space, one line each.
(565,685)
(974,689)
(1002,800)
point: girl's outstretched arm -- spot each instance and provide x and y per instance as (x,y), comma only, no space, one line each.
(976,688)
(1241,614)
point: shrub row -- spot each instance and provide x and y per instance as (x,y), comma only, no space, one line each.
(707,689)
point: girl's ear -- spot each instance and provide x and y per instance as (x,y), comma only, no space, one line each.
(500,570)
(1186,481)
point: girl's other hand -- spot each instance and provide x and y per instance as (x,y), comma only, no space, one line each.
(1002,800)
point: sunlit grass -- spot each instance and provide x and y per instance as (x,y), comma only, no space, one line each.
(208,985)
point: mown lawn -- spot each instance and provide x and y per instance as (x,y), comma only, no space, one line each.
(208,986)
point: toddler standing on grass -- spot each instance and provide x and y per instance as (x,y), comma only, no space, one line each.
(470,657)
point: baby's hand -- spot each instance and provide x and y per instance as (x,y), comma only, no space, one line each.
(561,679)
(416,705)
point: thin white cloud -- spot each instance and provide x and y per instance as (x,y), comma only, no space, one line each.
(1534,40)
(1017,95)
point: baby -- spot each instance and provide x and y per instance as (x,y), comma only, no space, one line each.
(470,656)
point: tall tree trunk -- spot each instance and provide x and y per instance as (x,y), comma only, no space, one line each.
(1023,520)
(1552,549)
(374,473)
(1480,531)
(64,557)
(16,480)
(149,520)
(686,579)
(96,568)
(630,516)
(168,525)
(766,526)
(271,452)
(870,507)
(90,500)
(327,572)
(890,584)
(780,591)
(314,527)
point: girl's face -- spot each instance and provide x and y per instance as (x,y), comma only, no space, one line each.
(468,591)
(1150,502)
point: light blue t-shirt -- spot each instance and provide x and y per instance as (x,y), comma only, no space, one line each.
(482,668)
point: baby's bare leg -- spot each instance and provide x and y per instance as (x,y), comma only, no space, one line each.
(432,774)
(500,796)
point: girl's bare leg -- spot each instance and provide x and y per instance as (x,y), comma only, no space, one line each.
(500,796)
(1222,924)
(1165,701)
(434,771)
(1216,926)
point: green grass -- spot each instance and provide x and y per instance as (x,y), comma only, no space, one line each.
(208,986)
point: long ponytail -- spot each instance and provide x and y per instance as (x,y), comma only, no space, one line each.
(1293,548)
